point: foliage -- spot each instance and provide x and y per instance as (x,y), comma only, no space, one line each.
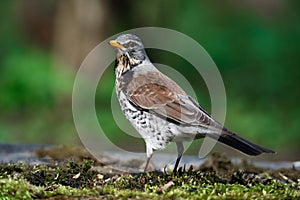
(256,51)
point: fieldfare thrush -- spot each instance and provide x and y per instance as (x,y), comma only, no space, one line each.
(159,109)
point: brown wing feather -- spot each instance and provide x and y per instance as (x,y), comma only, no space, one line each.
(161,100)
(162,96)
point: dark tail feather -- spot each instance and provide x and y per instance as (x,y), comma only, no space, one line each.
(243,145)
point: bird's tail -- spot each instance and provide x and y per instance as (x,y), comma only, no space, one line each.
(243,145)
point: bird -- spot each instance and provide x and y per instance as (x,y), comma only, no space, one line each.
(159,109)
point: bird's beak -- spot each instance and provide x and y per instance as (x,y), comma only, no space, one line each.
(116,44)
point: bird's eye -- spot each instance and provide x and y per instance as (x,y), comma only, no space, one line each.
(131,44)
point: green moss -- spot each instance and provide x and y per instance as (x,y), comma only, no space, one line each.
(78,179)
(22,189)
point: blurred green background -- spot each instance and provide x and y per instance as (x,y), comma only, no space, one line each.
(255,45)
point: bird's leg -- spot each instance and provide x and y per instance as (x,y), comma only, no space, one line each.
(180,150)
(149,152)
(147,163)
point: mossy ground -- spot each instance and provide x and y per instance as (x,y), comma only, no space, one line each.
(216,179)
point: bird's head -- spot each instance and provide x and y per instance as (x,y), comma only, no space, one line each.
(131,47)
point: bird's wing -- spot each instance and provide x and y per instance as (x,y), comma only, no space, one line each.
(170,104)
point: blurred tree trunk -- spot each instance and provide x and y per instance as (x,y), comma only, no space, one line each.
(79,26)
